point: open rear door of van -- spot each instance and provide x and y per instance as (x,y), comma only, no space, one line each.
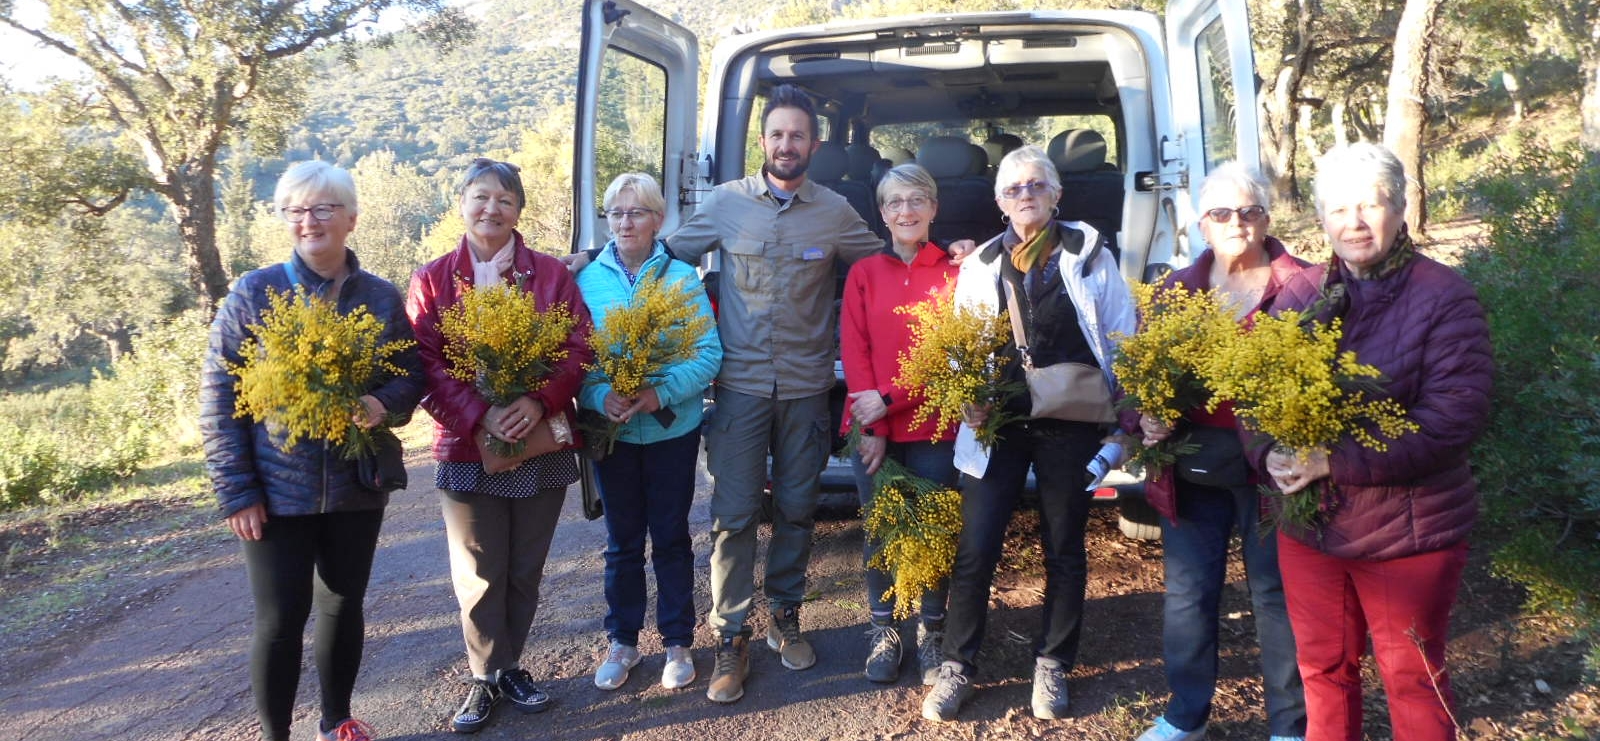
(637,100)
(1213,75)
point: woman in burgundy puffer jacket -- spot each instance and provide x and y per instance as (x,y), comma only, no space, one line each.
(1386,559)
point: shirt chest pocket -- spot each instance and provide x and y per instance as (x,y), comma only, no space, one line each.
(752,271)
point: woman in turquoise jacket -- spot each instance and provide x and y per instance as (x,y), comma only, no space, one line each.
(647,480)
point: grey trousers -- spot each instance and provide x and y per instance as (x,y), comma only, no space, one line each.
(744,430)
(497,552)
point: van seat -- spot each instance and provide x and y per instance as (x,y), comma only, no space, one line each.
(1090,192)
(966,199)
(828,167)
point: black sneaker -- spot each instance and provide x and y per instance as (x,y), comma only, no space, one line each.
(517,684)
(474,712)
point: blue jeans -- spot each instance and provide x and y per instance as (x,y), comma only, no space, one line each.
(1196,552)
(647,489)
(934,461)
(1058,453)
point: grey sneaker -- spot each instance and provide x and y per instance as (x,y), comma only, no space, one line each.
(1049,689)
(930,652)
(620,660)
(783,636)
(949,693)
(883,653)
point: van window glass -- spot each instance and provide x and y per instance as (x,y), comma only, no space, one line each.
(1034,130)
(1217,96)
(630,126)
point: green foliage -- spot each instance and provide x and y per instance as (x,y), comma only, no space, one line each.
(69,442)
(1539,462)
(397,206)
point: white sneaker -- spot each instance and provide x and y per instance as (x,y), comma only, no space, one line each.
(614,672)
(1164,731)
(1287,738)
(679,671)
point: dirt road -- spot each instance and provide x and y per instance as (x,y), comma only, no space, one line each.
(173,664)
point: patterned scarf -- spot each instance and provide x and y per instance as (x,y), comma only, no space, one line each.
(1029,256)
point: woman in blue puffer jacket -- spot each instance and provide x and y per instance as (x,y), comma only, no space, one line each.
(308,529)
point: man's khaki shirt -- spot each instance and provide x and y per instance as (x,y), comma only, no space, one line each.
(776,293)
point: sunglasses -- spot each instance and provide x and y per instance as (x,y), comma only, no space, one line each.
(1247,215)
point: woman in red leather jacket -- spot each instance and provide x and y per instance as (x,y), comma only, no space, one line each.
(499,525)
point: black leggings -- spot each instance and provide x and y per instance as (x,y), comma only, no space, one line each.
(322,560)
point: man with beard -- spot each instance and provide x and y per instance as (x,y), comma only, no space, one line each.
(777,236)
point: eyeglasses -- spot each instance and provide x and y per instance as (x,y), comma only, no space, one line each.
(914,203)
(632,214)
(1247,215)
(1033,188)
(297,214)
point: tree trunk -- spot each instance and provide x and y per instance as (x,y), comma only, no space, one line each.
(1283,105)
(1591,95)
(1408,117)
(194,205)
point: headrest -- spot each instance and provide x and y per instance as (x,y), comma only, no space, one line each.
(945,156)
(977,161)
(862,158)
(1078,150)
(994,152)
(829,162)
(1007,142)
(898,156)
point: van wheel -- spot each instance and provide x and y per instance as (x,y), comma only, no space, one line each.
(1138,520)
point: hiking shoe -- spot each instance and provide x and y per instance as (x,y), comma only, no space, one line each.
(349,730)
(1049,689)
(783,636)
(517,685)
(619,661)
(733,665)
(679,671)
(474,712)
(930,651)
(883,653)
(950,691)
(1164,731)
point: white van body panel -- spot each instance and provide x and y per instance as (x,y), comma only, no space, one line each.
(1157,68)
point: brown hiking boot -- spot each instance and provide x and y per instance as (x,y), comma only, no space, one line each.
(733,666)
(783,636)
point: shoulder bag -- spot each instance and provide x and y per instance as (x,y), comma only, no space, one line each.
(1071,391)
(384,469)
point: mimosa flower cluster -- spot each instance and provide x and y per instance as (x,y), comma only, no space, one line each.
(917,522)
(659,326)
(951,361)
(1287,378)
(305,367)
(1158,365)
(497,339)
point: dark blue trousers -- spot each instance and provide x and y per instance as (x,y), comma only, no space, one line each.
(647,490)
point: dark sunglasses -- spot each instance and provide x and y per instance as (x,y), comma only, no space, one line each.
(1247,215)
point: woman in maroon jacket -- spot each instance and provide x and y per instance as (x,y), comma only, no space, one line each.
(1202,507)
(871,337)
(499,525)
(1386,558)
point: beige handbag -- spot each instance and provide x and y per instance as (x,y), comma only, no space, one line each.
(1075,392)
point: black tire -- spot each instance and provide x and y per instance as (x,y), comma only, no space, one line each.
(1138,520)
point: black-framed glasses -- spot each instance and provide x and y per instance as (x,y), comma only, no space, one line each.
(297,214)
(1247,214)
(632,214)
(914,203)
(1032,187)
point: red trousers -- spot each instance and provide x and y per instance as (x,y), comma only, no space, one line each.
(1404,605)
